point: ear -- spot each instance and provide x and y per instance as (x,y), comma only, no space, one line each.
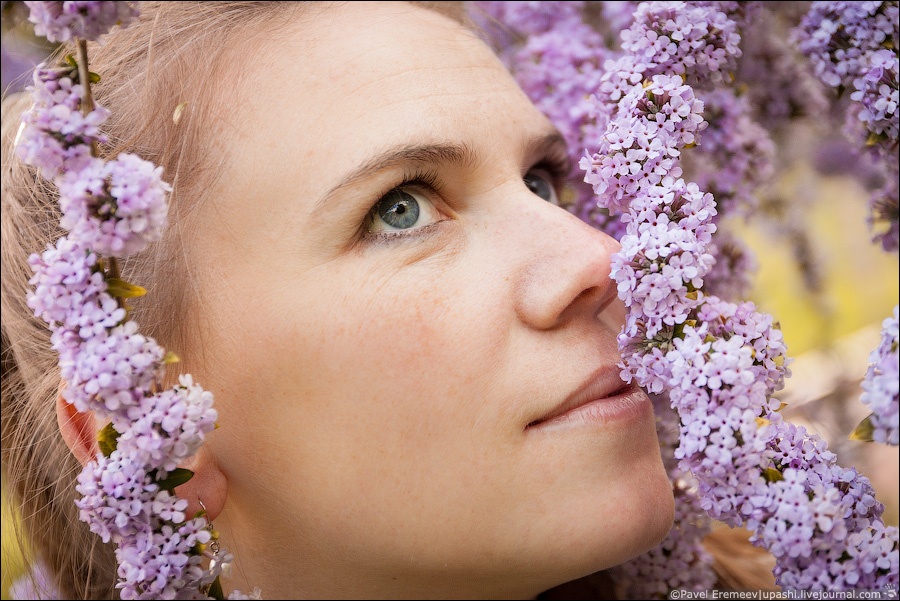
(208,485)
(79,430)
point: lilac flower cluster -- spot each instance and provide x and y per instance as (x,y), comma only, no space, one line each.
(530,17)
(62,21)
(854,45)
(632,155)
(736,157)
(840,37)
(698,42)
(777,86)
(663,258)
(114,208)
(877,94)
(56,133)
(172,428)
(881,386)
(558,69)
(721,362)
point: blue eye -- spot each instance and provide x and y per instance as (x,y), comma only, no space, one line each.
(541,186)
(398,209)
(402,209)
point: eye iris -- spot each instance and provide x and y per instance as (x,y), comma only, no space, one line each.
(399,209)
(539,187)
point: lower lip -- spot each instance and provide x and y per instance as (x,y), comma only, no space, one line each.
(631,403)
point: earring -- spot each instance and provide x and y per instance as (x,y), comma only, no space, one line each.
(217,565)
(214,542)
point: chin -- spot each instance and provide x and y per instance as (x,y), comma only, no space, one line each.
(646,512)
(650,519)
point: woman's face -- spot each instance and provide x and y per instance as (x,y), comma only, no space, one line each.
(379,358)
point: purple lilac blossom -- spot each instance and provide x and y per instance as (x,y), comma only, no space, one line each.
(114,208)
(530,17)
(112,374)
(617,15)
(119,497)
(62,21)
(699,42)
(663,257)
(160,563)
(853,45)
(877,96)
(70,291)
(169,427)
(504,25)
(735,157)
(881,385)
(56,134)
(117,208)
(558,70)
(634,153)
(721,362)
(839,37)
(777,86)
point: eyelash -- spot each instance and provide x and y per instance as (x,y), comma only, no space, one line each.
(556,166)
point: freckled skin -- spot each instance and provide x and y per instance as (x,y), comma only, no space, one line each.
(374,398)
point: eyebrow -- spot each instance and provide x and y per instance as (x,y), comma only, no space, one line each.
(454,154)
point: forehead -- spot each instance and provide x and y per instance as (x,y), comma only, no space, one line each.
(362,76)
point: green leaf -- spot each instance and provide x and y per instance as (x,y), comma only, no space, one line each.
(70,60)
(93,77)
(176,477)
(122,289)
(772,474)
(215,591)
(108,439)
(864,430)
(170,358)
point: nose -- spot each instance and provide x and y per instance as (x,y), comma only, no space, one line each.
(565,274)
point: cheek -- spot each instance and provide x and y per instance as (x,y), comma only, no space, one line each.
(383,376)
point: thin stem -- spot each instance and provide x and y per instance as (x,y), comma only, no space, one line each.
(84,77)
(87,105)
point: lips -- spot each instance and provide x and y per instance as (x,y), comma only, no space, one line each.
(602,384)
